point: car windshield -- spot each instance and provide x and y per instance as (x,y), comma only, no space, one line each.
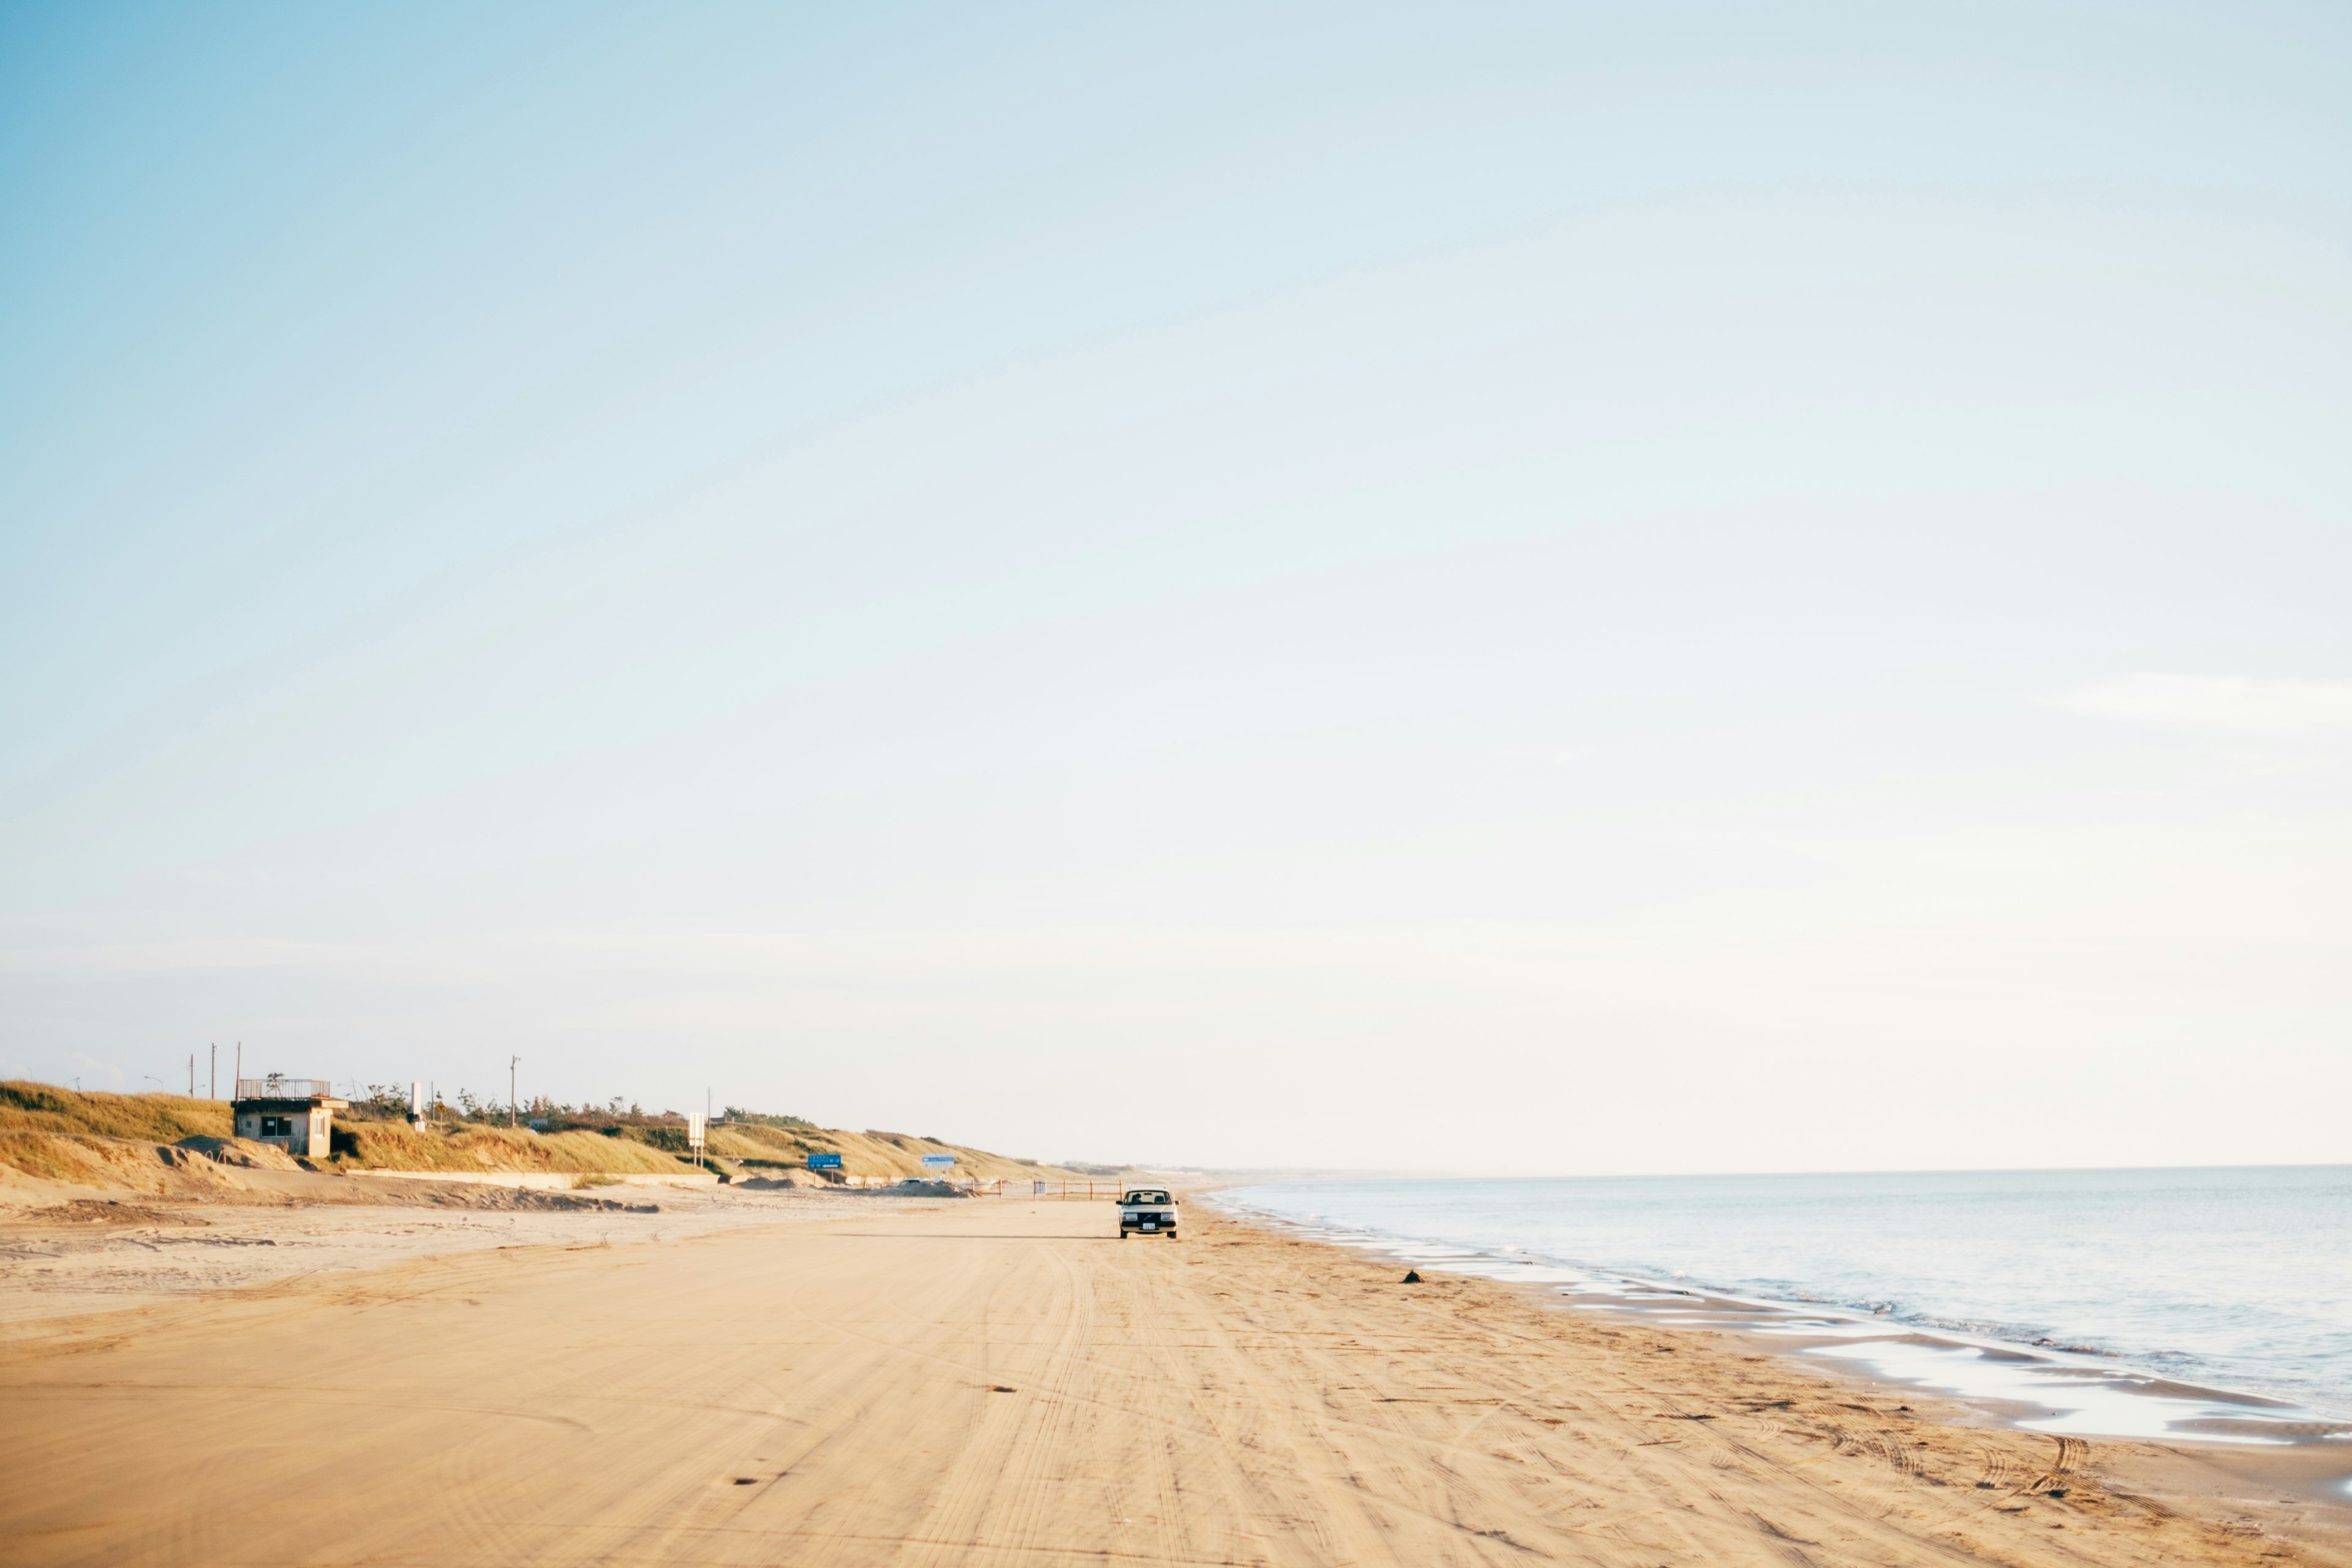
(1147,1197)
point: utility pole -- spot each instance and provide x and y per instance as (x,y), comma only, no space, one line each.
(192,1075)
(510,1088)
(240,1067)
(211,1075)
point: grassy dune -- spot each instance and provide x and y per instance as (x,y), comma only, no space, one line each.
(869,1153)
(473,1147)
(62,1135)
(98,1140)
(150,1118)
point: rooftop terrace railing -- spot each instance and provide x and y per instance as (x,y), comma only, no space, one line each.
(278,1087)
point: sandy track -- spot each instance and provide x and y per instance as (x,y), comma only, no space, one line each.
(995,1384)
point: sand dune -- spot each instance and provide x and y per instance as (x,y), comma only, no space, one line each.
(999,1382)
(163,1141)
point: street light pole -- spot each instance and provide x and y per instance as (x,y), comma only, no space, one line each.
(510,1089)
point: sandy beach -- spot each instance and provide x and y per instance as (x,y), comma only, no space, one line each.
(111,1253)
(1001,1382)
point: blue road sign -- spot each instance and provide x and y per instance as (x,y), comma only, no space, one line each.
(825,1163)
(939,1162)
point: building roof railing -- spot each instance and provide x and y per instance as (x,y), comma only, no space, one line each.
(279,1086)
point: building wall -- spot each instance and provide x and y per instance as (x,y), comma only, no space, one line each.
(307,1127)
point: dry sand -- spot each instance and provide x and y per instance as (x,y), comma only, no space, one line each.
(74,1255)
(1003,1383)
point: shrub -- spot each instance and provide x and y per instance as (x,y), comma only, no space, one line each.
(382,1102)
(736,1113)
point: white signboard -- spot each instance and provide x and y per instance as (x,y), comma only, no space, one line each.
(694,1129)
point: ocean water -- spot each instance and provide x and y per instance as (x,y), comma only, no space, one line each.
(2238,1279)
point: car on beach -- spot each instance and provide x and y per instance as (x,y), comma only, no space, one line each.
(1147,1211)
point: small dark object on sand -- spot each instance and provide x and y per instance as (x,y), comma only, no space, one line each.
(1412,1276)
(2057,1491)
(747,1481)
(1001,1388)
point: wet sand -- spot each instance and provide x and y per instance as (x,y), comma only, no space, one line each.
(1001,1382)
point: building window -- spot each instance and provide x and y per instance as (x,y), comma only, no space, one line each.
(278,1127)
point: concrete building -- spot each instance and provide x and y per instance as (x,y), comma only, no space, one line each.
(297,1114)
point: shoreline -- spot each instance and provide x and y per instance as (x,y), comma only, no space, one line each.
(1000,1381)
(2035,1386)
(2310,1459)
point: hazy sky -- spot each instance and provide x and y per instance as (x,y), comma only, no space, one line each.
(1544,588)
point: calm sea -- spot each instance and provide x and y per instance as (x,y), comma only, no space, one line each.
(2235,1278)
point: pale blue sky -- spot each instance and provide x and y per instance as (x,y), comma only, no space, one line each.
(1540,587)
